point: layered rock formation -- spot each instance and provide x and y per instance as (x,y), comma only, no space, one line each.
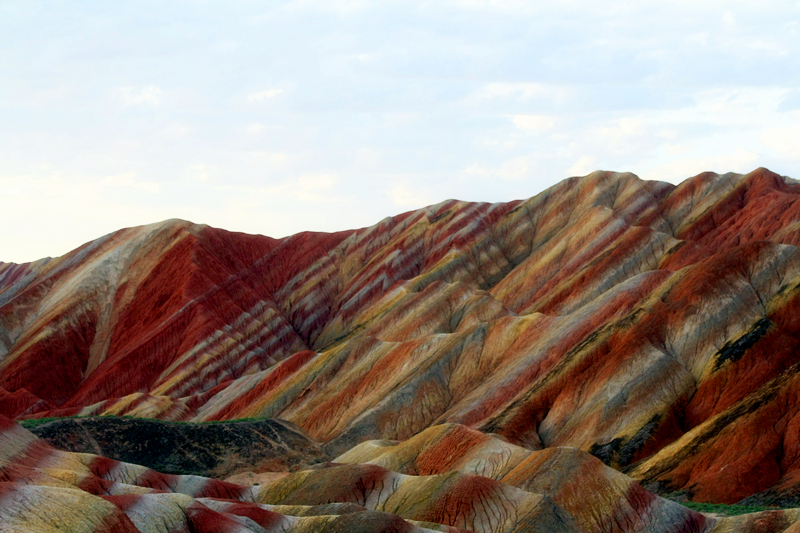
(449,478)
(650,325)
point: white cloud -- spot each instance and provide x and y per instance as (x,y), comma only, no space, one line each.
(130,96)
(523,91)
(700,38)
(728,19)
(175,131)
(783,139)
(227,46)
(315,188)
(583,166)
(534,123)
(623,134)
(311,188)
(514,169)
(677,149)
(675,171)
(129,181)
(198,173)
(625,127)
(269,161)
(790,102)
(501,144)
(769,45)
(622,137)
(344,7)
(720,109)
(72,210)
(508,6)
(406,196)
(367,158)
(263,95)
(490,103)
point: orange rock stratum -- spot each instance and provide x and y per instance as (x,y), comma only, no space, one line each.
(554,364)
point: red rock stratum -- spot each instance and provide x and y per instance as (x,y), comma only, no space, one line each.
(653,326)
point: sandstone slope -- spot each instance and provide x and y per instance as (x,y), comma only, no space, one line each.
(449,478)
(653,326)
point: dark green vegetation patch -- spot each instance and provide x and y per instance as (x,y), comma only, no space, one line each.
(211,450)
(619,453)
(734,350)
(726,510)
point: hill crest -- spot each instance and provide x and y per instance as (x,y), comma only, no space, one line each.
(630,319)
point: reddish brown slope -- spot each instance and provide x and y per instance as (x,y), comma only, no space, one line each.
(607,313)
(491,486)
(110,318)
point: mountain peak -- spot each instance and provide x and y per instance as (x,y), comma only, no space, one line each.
(634,320)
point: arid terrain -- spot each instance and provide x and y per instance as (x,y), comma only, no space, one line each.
(581,361)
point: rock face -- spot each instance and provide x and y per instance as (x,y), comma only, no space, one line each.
(106,495)
(449,478)
(650,325)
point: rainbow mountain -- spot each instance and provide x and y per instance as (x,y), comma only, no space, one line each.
(571,362)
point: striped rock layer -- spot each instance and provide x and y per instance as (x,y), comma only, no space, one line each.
(653,326)
(449,478)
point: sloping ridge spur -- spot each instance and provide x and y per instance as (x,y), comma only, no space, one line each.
(607,327)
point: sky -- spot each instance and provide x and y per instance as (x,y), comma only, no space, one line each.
(279,117)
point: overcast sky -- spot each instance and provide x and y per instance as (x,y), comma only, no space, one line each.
(278,117)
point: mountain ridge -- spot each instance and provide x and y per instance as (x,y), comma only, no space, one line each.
(637,321)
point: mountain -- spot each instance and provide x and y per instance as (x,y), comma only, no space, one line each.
(43,489)
(608,326)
